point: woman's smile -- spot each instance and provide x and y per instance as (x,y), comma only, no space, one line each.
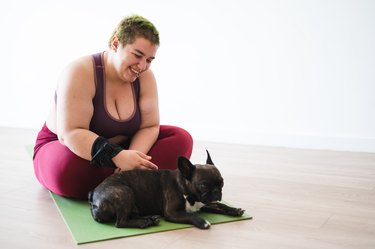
(137,73)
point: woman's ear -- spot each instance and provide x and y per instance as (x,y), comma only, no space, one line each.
(115,43)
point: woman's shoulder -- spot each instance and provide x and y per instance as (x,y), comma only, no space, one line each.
(82,64)
(79,71)
(147,78)
(148,85)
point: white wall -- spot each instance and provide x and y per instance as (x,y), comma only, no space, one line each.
(283,73)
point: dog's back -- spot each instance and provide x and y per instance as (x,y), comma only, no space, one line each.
(140,192)
(147,187)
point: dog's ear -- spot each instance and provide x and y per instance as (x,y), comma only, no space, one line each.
(209,160)
(186,167)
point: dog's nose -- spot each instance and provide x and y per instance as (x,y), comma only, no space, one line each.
(217,194)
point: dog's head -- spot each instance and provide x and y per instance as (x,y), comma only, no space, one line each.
(203,182)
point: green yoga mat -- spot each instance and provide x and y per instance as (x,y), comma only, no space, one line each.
(85,229)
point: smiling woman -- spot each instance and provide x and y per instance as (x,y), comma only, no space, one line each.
(105,118)
(132,60)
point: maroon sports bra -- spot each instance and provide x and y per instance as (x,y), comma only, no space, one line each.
(102,123)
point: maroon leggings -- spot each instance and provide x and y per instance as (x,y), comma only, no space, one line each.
(66,174)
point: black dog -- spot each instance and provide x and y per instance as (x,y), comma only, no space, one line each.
(136,198)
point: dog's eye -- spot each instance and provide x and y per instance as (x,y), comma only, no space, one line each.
(203,187)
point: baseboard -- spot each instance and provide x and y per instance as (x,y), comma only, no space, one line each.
(296,141)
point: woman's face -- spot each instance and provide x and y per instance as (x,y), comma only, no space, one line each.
(133,59)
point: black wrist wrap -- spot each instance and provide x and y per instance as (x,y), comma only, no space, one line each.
(102,153)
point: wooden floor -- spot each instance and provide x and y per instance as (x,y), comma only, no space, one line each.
(298,198)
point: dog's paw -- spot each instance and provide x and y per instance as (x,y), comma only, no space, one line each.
(206,225)
(149,221)
(236,212)
(203,224)
(140,222)
(154,220)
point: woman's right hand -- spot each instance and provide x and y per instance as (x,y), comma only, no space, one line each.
(132,159)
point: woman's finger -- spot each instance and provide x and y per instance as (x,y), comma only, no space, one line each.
(149,165)
(144,156)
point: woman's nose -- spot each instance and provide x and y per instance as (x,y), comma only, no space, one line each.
(142,64)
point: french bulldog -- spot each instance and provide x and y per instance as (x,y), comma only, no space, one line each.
(138,198)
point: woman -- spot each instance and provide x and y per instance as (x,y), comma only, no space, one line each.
(106,118)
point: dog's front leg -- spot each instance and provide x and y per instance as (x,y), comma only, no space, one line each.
(187,218)
(221,208)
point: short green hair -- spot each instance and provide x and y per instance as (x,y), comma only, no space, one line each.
(133,26)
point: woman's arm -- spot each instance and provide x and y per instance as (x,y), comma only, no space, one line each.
(148,133)
(146,136)
(74,107)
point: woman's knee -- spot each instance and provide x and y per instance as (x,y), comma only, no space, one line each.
(186,141)
(177,139)
(66,174)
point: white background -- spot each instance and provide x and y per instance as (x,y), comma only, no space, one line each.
(282,73)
